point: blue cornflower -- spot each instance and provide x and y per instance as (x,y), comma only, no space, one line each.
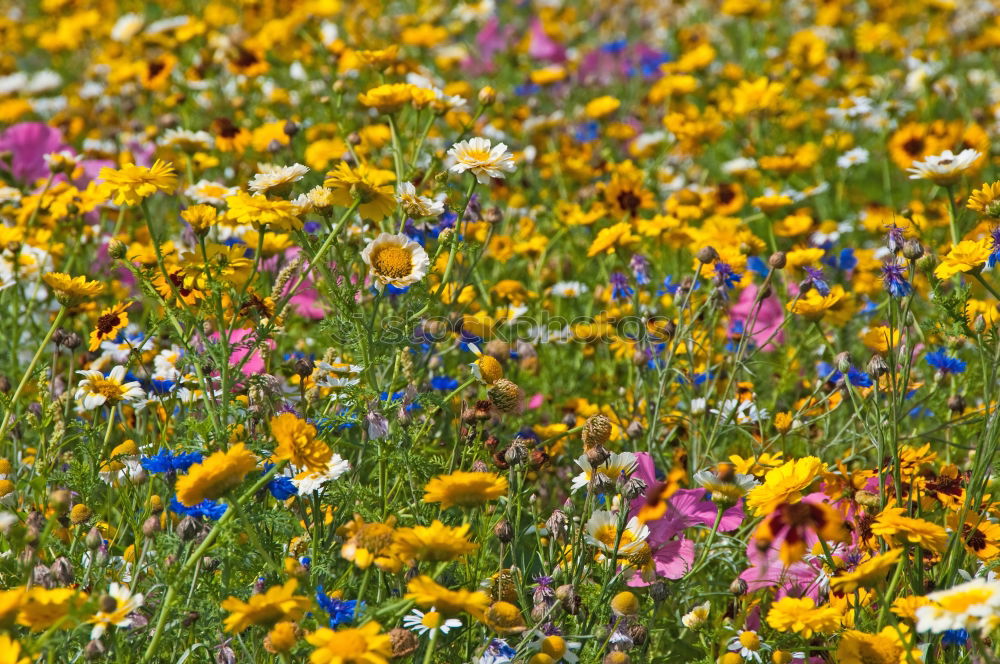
(588,132)
(946,365)
(280,486)
(894,279)
(165,462)
(816,279)
(341,612)
(640,269)
(994,248)
(725,275)
(859,378)
(620,287)
(206,508)
(955,637)
(757,265)
(444,383)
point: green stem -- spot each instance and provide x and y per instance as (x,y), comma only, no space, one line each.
(5,425)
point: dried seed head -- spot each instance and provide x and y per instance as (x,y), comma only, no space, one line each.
(596,431)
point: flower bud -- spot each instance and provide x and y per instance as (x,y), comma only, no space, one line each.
(658,591)
(556,524)
(506,396)
(93,539)
(777,260)
(117,249)
(634,488)
(707,254)
(487,95)
(187,529)
(504,531)
(912,250)
(842,361)
(62,571)
(151,526)
(877,366)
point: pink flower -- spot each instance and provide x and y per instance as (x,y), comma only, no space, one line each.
(28,142)
(769,318)
(241,341)
(672,553)
(542,46)
(491,39)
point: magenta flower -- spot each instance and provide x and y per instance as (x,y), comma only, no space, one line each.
(672,553)
(542,46)
(28,142)
(240,342)
(769,318)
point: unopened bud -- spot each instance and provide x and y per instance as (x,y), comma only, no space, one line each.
(777,260)
(707,254)
(503,531)
(912,250)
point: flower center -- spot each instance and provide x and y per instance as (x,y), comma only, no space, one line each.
(431,620)
(750,640)
(107,388)
(392,262)
(374,536)
(107,323)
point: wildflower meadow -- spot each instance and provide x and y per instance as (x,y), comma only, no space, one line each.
(487,332)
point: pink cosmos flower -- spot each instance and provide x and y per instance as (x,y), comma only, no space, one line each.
(769,318)
(542,46)
(28,142)
(241,341)
(673,554)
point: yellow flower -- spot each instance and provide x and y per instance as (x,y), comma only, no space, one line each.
(131,184)
(802,616)
(602,106)
(69,289)
(965,256)
(259,210)
(201,217)
(906,607)
(10,604)
(867,574)
(352,645)
(42,608)
(427,593)
(892,525)
(504,618)
(611,238)
(282,637)
(387,98)
(886,647)
(813,306)
(436,542)
(216,475)
(369,186)
(464,489)
(877,338)
(784,484)
(109,323)
(367,543)
(10,651)
(986,200)
(224,263)
(278,603)
(298,444)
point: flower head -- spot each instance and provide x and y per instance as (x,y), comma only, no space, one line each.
(484,161)
(395,260)
(216,475)
(96,389)
(131,184)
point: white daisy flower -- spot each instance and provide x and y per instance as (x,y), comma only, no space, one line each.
(484,161)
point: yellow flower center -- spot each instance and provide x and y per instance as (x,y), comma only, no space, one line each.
(107,388)
(392,262)
(348,644)
(374,536)
(472,156)
(960,602)
(432,620)
(750,640)
(554,646)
